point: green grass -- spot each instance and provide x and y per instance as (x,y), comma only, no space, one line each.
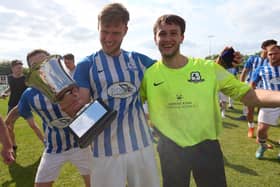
(30,148)
(242,169)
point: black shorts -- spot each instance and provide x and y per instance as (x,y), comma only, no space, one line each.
(204,160)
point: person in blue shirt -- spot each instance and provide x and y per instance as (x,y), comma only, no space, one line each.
(123,152)
(60,144)
(246,75)
(269,76)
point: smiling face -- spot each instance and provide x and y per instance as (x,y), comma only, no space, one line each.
(111,36)
(168,38)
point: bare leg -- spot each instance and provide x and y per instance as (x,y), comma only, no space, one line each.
(11,130)
(262,132)
(250,119)
(261,138)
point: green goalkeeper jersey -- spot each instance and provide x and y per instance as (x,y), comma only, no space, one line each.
(183,103)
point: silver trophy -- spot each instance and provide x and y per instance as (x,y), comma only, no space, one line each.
(50,78)
(53,81)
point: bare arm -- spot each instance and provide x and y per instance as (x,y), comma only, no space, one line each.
(31,122)
(12,116)
(262,98)
(7,149)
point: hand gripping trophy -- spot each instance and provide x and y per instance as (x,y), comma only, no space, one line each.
(52,80)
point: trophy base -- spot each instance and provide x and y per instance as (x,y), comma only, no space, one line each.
(91,121)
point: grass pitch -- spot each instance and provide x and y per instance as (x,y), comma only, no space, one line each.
(242,168)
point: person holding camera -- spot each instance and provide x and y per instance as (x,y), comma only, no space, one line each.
(185,89)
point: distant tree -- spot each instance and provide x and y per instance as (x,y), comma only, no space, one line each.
(25,71)
(5,68)
(212,57)
(245,57)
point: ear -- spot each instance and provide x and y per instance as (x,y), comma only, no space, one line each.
(126,29)
(182,38)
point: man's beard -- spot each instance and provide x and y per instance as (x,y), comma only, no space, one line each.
(172,54)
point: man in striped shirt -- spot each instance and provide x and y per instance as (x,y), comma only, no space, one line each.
(123,153)
(250,66)
(269,76)
(60,144)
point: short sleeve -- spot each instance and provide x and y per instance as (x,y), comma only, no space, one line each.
(24,108)
(229,85)
(81,74)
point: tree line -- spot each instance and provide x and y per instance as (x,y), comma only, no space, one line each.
(5,68)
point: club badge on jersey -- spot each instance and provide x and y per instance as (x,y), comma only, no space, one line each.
(195,77)
(121,90)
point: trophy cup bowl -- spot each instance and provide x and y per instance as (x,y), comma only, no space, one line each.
(50,78)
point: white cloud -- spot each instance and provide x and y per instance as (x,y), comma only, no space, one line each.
(63,26)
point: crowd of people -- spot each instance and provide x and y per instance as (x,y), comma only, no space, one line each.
(182,87)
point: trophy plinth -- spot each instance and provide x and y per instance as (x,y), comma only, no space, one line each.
(91,121)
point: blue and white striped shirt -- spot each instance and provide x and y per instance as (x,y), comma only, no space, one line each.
(269,76)
(116,80)
(57,139)
(252,64)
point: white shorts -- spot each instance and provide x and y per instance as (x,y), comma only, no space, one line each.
(137,169)
(269,116)
(223,97)
(51,164)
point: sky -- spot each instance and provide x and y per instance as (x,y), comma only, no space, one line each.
(70,26)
